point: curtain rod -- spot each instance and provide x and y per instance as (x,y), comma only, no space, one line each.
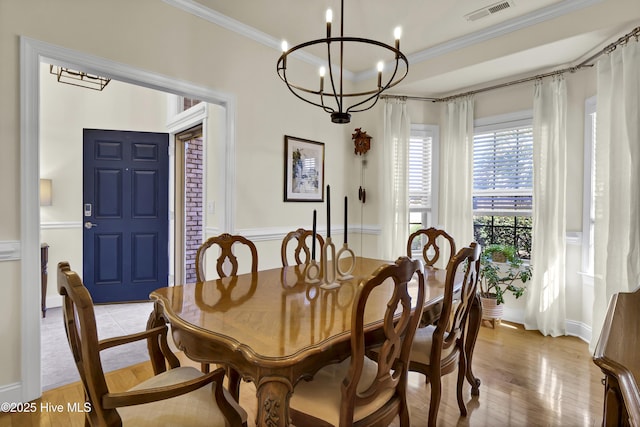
(584,64)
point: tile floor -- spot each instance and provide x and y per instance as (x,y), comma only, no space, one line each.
(58,367)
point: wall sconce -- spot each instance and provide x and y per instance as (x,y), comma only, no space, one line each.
(45,192)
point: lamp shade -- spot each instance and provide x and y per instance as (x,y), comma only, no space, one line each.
(45,192)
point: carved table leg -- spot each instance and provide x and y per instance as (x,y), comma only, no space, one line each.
(473,327)
(273,402)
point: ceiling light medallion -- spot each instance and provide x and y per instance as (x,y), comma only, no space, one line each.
(333,99)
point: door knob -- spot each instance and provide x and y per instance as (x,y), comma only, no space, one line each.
(89,225)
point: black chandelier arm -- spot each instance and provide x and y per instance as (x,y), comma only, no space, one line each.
(282,74)
(315,92)
(333,85)
(376,95)
(338,95)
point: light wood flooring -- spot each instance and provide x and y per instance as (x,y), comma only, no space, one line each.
(527,380)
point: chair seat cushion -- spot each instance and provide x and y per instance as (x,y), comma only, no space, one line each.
(197,408)
(421,348)
(321,397)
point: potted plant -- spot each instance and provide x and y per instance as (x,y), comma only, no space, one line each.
(500,268)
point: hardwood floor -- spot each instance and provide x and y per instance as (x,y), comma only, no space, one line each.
(527,380)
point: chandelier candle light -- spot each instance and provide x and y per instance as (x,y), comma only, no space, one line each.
(333,101)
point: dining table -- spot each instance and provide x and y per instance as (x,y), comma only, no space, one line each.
(274,328)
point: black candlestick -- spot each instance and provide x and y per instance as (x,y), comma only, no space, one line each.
(328,211)
(345,219)
(313,243)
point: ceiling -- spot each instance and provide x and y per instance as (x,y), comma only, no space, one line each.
(446,51)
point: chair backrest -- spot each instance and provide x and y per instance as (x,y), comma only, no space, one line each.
(225,241)
(400,324)
(431,249)
(450,330)
(300,235)
(80,326)
(617,356)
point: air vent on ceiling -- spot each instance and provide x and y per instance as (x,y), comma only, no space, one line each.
(489,10)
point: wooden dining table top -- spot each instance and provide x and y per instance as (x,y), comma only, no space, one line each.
(275,315)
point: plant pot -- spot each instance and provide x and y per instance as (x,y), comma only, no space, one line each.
(491,309)
(498,257)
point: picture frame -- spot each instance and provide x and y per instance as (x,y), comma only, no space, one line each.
(303,170)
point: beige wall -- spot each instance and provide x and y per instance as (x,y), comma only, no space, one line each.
(140,34)
(151,35)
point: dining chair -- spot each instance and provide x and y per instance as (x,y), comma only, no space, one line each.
(437,349)
(300,235)
(177,396)
(359,391)
(430,249)
(226,243)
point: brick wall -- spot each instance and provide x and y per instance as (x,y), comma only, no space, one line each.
(193,209)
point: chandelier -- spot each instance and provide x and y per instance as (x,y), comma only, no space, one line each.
(331,97)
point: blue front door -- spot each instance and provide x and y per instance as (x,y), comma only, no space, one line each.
(125,214)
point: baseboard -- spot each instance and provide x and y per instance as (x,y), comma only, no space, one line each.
(572,327)
(54,301)
(514,315)
(11,393)
(579,329)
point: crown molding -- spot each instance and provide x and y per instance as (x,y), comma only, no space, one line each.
(546,13)
(215,17)
(537,16)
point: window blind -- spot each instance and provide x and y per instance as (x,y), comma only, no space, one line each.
(420,160)
(503,171)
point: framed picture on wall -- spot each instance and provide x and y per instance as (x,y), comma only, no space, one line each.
(303,170)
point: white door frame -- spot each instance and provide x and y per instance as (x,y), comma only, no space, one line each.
(32,53)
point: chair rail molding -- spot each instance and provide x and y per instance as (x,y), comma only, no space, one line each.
(9,250)
(278,233)
(61,225)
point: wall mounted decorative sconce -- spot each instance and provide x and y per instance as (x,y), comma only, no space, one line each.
(46,192)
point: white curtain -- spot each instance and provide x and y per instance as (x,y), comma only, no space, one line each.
(545,309)
(456,171)
(395,179)
(617,187)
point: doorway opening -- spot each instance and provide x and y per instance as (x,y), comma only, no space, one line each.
(33,53)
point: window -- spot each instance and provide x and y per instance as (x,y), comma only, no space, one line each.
(423,178)
(189,102)
(588,214)
(503,181)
